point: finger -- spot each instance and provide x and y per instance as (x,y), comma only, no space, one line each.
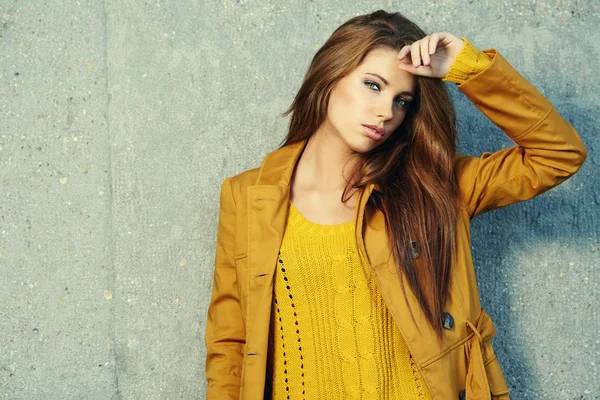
(444,37)
(421,70)
(415,55)
(435,37)
(403,52)
(408,67)
(425,50)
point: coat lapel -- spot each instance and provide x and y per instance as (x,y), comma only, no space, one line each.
(372,240)
(267,205)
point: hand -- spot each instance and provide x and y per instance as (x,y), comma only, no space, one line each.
(437,52)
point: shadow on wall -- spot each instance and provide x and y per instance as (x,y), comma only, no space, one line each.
(500,236)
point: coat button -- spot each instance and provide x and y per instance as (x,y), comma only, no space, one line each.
(447,320)
(415,250)
(462,395)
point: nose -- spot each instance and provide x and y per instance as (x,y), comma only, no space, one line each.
(385,109)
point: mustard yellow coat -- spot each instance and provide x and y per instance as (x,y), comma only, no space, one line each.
(252,217)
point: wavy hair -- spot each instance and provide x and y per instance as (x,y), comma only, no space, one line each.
(418,194)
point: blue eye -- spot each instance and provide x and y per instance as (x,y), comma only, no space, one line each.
(400,101)
(371,84)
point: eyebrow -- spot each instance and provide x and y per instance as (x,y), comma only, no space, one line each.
(411,94)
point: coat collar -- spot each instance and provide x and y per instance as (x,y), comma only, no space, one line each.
(278,166)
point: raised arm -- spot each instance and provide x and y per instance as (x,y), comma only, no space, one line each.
(548,149)
(225,337)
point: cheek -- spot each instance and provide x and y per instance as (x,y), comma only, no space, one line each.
(345,100)
(348,96)
(399,119)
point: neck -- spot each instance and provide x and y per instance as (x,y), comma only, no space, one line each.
(325,164)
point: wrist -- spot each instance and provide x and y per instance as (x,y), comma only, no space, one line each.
(469,62)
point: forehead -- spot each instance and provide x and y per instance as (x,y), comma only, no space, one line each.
(384,62)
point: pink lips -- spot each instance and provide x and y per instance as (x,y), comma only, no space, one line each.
(373,131)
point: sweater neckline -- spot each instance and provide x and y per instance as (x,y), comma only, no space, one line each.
(300,222)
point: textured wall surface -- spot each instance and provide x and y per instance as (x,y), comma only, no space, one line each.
(120,119)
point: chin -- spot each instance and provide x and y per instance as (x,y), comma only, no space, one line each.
(362,144)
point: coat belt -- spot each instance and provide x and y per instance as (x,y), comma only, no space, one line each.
(477,385)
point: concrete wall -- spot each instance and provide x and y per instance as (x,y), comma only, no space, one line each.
(120,119)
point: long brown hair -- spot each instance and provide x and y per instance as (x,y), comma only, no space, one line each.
(414,168)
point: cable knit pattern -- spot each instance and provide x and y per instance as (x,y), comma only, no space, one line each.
(469,62)
(332,336)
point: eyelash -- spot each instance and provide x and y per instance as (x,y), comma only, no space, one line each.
(406,103)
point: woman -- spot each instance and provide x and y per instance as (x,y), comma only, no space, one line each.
(343,265)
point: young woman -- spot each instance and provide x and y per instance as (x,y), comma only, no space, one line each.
(343,266)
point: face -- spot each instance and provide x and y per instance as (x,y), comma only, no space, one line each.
(375,96)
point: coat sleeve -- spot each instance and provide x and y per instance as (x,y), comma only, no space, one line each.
(548,150)
(225,337)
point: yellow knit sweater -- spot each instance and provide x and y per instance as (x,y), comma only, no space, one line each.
(332,336)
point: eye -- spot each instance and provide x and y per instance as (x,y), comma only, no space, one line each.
(399,100)
(402,102)
(372,85)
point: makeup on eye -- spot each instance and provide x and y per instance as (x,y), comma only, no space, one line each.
(405,103)
(386,83)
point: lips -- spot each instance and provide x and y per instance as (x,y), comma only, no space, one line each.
(377,129)
(373,131)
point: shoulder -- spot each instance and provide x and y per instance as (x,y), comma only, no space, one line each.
(466,169)
(275,165)
(245,178)
(462,162)
(463,166)
(234,186)
(275,170)
(238,183)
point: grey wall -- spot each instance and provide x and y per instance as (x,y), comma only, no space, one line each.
(120,119)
